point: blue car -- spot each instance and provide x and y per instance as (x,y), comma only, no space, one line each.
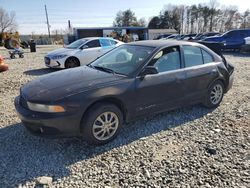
(233,39)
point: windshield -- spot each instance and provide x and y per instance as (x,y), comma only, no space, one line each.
(76,44)
(124,60)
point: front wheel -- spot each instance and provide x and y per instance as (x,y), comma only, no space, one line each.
(214,95)
(72,62)
(102,123)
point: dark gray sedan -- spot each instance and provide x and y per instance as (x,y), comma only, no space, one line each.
(133,80)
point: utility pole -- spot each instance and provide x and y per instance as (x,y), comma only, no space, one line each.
(47,20)
(69,27)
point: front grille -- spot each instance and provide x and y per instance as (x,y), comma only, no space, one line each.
(23,102)
(47,60)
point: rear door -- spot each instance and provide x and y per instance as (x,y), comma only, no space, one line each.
(91,51)
(200,70)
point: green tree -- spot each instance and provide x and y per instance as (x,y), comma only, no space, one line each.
(154,23)
(127,18)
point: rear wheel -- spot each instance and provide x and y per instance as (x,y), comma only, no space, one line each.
(72,62)
(102,123)
(214,95)
(12,56)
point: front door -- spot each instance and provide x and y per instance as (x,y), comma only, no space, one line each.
(92,51)
(162,91)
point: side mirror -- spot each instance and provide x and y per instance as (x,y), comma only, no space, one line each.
(84,47)
(149,70)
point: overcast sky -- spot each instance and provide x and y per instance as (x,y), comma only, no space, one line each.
(84,13)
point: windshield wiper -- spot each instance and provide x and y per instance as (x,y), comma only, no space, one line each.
(105,69)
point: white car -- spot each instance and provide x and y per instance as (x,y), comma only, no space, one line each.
(80,52)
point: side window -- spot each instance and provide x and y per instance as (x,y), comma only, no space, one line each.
(207,57)
(233,34)
(93,44)
(112,42)
(244,34)
(192,56)
(167,59)
(105,42)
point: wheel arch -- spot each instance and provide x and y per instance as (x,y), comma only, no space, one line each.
(112,100)
(72,57)
(221,80)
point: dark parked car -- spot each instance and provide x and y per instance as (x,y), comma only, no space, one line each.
(233,39)
(205,35)
(162,36)
(188,37)
(133,80)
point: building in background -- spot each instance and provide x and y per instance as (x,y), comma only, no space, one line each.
(154,33)
(137,33)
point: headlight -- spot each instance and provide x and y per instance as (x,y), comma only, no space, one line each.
(58,56)
(45,108)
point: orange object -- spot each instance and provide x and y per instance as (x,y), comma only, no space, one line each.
(1,59)
(3,67)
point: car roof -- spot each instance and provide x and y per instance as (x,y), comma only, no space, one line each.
(162,43)
(94,38)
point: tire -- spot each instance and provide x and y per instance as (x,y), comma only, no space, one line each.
(72,62)
(12,56)
(95,132)
(214,95)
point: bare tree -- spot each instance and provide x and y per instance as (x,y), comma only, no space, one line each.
(232,10)
(7,21)
(213,11)
(245,18)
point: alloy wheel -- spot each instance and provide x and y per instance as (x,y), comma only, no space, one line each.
(216,94)
(105,126)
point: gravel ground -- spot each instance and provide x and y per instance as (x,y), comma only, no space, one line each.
(190,147)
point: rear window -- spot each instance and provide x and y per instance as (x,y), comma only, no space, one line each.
(192,56)
(105,42)
(207,58)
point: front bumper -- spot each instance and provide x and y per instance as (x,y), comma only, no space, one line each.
(48,124)
(51,63)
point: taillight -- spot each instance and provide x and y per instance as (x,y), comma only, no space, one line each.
(230,68)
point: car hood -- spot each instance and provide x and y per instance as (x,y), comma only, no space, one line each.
(62,51)
(61,84)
